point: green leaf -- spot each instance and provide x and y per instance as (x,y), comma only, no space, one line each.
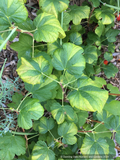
(69,58)
(43,91)
(110,70)
(100,81)
(76,28)
(27,25)
(102,131)
(111,47)
(48,28)
(67,79)
(7,33)
(31,71)
(78,13)
(59,112)
(11,145)
(53,6)
(22,158)
(4,24)
(99,30)
(105,15)
(66,20)
(1,42)
(89,70)
(76,38)
(87,96)
(108,56)
(67,131)
(103,117)
(114,124)
(93,147)
(51,47)
(111,35)
(96,3)
(45,125)
(10,11)
(82,117)
(90,54)
(113,107)
(111,144)
(29,109)
(16,99)
(113,89)
(41,151)
(23,46)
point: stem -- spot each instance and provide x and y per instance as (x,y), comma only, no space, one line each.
(22,133)
(12,32)
(109,5)
(50,78)
(31,7)
(26,139)
(85,131)
(42,45)
(70,82)
(2,69)
(90,15)
(23,100)
(33,49)
(63,94)
(102,132)
(8,109)
(96,126)
(34,136)
(118,6)
(94,121)
(61,26)
(5,30)
(23,31)
(51,134)
(114,94)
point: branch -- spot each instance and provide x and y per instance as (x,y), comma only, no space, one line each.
(114,94)
(63,93)
(94,121)
(18,30)
(85,131)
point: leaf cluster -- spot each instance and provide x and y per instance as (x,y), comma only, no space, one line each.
(67,110)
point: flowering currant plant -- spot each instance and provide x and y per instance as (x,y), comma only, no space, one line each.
(66,110)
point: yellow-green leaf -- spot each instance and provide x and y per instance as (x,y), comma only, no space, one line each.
(31,71)
(53,6)
(12,11)
(48,28)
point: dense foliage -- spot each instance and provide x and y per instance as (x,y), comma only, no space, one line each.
(67,110)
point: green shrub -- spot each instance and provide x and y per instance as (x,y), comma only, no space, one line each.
(66,111)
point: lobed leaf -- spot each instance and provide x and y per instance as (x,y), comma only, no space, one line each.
(10,11)
(45,125)
(48,28)
(78,13)
(31,71)
(93,147)
(44,91)
(106,16)
(41,151)
(87,96)
(69,58)
(29,109)
(11,145)
(67,131)
(53,6)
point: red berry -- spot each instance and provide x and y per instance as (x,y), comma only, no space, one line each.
(118,18)
(105,62)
